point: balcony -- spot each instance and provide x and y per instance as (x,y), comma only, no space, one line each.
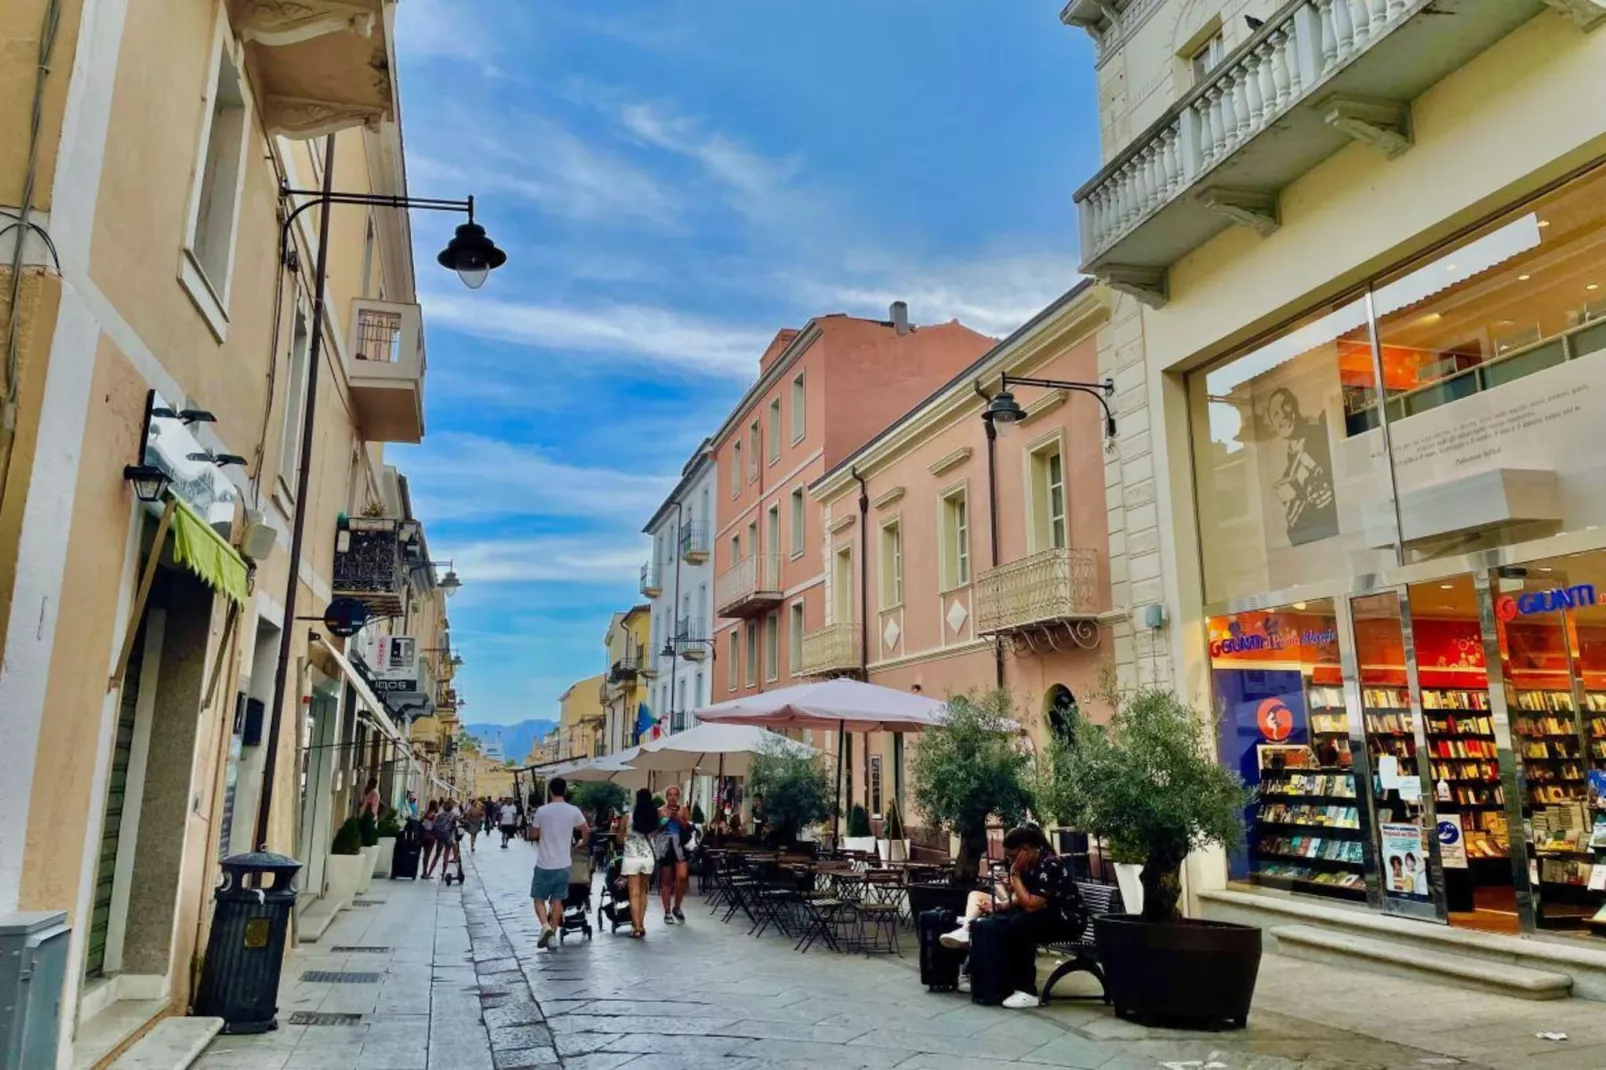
(373,558)
(320,65)
(1033,594)
(694,542)
(752,586)
(1316,76)
(834,650)
(626,669)
(691,638)
(651,585)
(386,370)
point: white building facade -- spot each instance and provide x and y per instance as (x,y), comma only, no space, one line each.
(678,583)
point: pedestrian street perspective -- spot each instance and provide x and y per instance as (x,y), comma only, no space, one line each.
(1066,533)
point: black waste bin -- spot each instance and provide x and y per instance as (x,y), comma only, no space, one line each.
(245,953)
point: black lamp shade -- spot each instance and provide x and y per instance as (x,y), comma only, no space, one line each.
(450,583)
(149,481)
(472,255)
(1004,409)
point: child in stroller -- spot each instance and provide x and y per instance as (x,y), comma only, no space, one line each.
(577,903)
(615,902)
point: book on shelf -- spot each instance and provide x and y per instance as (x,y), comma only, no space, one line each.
(1329,724)
(1326,698)
(1461,726)
(1545,726)
(1439,698)
(1538,701)
(1388,722)
(1385,698)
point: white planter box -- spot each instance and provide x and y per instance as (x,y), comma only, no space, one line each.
(370,859)
(387,856)
(859,843)
(1129,876)
(893,850)
(342,876)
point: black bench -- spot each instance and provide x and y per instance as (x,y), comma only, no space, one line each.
(1081,954)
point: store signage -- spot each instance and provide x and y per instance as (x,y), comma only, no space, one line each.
(345,617)
(1452,844)
(385,685)
(396,658)
(1238,644)
(1275,719)
(1580,594)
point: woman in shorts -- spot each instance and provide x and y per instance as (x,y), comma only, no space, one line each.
(675,874)
(636,839)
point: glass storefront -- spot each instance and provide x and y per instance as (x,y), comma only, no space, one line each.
(1420,471)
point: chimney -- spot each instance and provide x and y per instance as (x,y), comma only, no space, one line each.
(900,316)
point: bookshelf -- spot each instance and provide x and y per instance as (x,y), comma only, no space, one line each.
(1464,764)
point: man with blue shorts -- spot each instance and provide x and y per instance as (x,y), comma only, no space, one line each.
(556,825)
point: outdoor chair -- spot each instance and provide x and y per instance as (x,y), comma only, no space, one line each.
(878,928)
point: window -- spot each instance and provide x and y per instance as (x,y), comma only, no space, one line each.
(368,261)
(732,659)
(215,208)
(752,538)
(753,446)
(1207,56)
(797,408)
(772,646)
(736,469)
(772,540)
(795,636)
(697,696)
(295,401)
(955,540)
(891,564)
(752,652)
(702,511)
(842,586)
(775,430)
(1048,498)
(797,522)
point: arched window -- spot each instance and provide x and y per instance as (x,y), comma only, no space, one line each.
(1060,706)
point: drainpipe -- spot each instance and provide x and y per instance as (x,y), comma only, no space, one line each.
(864,574)
(992,515)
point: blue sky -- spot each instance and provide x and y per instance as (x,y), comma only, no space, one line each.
(674,181)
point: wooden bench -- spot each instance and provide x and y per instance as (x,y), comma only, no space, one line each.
(1081,954)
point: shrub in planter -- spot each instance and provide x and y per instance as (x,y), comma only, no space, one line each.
(859,821)
(796,788)
(348,838)
(368,829)
(697,814)
(1148,785)
(389,824)
(969,770)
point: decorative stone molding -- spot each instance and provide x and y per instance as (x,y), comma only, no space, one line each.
(841,523)
(1045,404)
(893,495)
(1588,14)
(1255,209)
(299,118)
(949,461)
(288,22)
(1146,284)
(1383,124)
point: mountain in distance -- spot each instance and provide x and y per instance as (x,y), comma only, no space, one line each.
(514,740)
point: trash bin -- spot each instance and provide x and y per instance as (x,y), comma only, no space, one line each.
(33,965)
(245,953)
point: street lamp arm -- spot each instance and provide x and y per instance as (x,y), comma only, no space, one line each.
(1102,391)
(377,200)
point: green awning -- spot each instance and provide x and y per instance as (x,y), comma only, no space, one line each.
(207,554)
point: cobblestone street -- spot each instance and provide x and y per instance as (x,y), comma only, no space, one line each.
(461,986)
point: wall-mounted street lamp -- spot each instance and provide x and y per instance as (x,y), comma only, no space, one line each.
(473,256)
(149,481)
(1004,409)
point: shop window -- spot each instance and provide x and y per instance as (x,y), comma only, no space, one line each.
(1277,685)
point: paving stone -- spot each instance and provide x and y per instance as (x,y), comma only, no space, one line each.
(525,1058)
(520,1036)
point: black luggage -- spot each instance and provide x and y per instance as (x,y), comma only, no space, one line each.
(939,966)
(409,846)
(990,981)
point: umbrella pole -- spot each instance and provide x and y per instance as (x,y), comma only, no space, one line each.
(718,802)
(836,816)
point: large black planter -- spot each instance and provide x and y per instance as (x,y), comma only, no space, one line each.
(924,897)
(1196,972)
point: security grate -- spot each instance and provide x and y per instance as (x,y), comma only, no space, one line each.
(358,949)
(340,977)
(367,902)
(324,1018)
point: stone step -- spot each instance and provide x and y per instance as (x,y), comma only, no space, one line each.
(1339,948)
(174,1044)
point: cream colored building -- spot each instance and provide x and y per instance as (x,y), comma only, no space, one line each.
(1356,352)
(580,718)
(150,261)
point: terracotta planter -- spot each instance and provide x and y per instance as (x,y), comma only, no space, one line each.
(1192,971)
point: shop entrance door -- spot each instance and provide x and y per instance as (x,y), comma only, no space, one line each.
(1383,685)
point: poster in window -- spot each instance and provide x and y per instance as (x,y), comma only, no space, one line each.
(1298,465)
(1405,860)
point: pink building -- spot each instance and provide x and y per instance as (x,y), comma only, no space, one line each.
(971,579)
(822,393)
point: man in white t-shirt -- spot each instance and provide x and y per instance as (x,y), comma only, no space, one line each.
(508,820)
(555,826)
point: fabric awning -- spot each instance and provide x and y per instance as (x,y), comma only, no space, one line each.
(366,696)
(199,547)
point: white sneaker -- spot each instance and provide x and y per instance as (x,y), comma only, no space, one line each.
(1021,1001)
(959,938)
(964,986)
(546,938)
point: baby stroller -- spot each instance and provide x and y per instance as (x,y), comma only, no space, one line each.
(577,904)
(614,908)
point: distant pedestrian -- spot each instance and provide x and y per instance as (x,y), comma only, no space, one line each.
(674,874)
(473,818)
(555,827)
(430,813)
(637,863)
(508,820)
(446,829)
(411,805)
(371,803)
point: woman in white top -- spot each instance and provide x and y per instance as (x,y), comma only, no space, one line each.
(636,838)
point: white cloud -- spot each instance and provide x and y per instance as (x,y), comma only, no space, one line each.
(631,334)
(461,477)
(552,559)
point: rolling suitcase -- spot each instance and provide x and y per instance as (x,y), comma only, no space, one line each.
(990,982)
(409,846)
(939,966)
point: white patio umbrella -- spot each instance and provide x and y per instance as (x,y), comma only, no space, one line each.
(843,704)
(616,767)
(730,747)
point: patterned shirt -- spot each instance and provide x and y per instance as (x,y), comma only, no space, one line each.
(1048,878)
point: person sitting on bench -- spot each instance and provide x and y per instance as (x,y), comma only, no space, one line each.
(1041,906)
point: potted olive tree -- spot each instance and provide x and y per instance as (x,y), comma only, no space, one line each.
(796,790)
(1147,784)
(964,773)
(344,866)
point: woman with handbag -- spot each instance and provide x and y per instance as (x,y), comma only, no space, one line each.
(675,874)
(637,863)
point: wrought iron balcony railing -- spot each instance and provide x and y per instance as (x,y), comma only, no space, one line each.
(1045,588)
(751,586)
(651,585)
(831,651)
(373,559)
(694,542)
